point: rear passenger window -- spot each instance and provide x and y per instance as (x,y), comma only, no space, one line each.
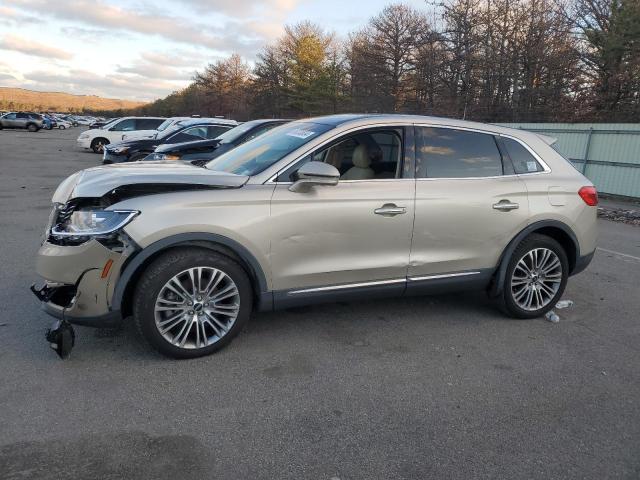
(450,153)
(523,161)
(148,123)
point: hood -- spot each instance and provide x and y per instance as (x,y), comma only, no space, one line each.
(98,181)
(131,142)
(177,147)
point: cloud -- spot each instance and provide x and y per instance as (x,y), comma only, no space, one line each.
(10,16)
(91,35)
(83,82)
(221,36)
(31,47)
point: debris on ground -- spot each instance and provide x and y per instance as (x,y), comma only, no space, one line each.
(552,317)
(564,304)
(624,215)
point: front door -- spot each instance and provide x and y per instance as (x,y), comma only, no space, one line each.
(352,236)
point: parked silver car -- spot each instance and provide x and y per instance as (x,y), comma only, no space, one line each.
(27,120)
(329,208)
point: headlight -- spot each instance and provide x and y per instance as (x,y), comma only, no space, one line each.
(92,223)
(119,150)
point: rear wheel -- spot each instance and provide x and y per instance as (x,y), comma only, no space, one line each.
(191,302)
(32,127)
(536,277)
(62,127)
(97,145)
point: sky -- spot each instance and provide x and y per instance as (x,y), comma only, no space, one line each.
(143,50)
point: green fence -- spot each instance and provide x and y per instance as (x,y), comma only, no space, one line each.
(607,153)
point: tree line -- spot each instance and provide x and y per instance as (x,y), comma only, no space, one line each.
(487,60)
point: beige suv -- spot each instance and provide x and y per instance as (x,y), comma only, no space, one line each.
(323,209)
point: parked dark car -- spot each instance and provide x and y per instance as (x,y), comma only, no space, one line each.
(48,122)
(31,121)
(183,131)
(203,151)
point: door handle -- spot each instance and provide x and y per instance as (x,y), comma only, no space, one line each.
(505,205)
(390,210)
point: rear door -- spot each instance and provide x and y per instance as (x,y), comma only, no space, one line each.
(469,204)
(350,237)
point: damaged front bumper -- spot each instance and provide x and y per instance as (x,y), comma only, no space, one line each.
(80,281)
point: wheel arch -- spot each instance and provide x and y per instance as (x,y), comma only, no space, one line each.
(132,270)
(95,139)
(555,229)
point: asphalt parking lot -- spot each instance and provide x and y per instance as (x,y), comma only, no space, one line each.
(431,387)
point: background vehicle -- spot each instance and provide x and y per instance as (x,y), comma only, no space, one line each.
(49,122)
(100,123)
(170,122)
(97,138)
(200,152)
(63,124)
(31,122)
(324,209)
(182,131)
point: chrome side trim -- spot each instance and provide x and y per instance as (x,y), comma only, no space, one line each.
(445,275)
(381,282)
(348,285)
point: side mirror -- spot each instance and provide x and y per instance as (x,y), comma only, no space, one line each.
(315,173)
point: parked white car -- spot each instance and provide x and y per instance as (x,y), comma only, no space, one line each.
(170,122)
(97,138)
(63,124)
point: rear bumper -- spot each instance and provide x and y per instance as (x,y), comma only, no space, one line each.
(582,263)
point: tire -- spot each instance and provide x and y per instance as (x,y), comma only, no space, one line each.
(62,127)
(97,145)
(176,313)
(32,127)
(528,291)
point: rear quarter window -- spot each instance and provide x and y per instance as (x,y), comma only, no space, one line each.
(523,161)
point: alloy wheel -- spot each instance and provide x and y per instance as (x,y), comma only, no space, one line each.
(536,279)
(197,307)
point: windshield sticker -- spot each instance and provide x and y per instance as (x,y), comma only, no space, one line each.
(532,166)
(301,133)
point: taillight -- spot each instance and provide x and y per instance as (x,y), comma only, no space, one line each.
(589,195)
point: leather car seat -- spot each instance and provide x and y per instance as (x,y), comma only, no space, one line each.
(361,169)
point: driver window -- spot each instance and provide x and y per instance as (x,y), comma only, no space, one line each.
(362,156)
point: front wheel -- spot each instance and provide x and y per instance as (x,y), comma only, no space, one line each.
(536,277)
(62,127)
(97,145)
(191,302)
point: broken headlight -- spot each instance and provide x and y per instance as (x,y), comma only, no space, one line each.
(93,223)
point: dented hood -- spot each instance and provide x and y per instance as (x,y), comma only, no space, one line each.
(98,181)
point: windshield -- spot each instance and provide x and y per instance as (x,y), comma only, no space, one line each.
(260,153)
(236,132)
(108,124)
(165,124)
